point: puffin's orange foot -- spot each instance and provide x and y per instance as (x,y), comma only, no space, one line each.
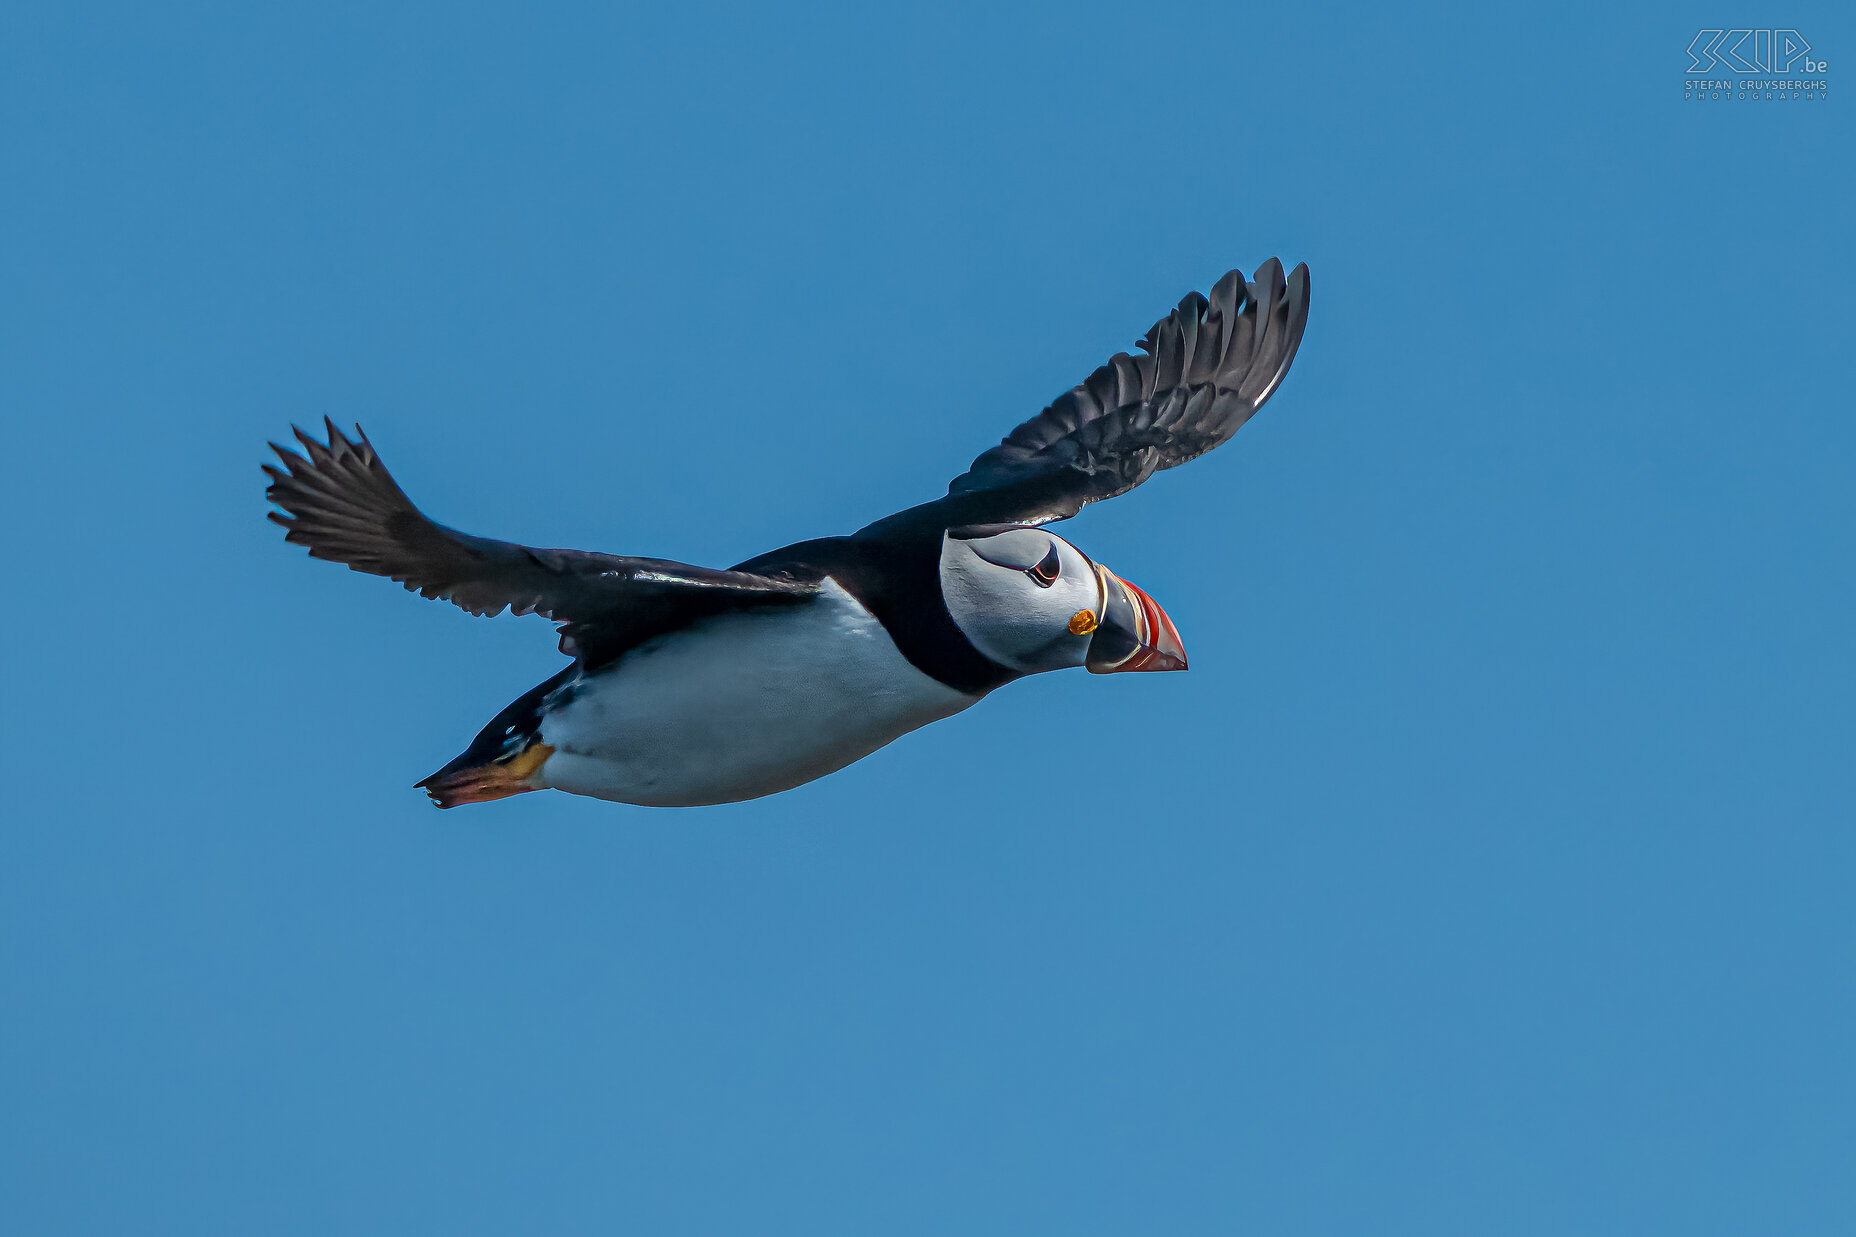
(483,783)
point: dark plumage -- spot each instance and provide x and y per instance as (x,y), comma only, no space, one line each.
(1205,369)
(342,504)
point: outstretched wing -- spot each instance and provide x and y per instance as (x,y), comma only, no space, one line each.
(342,503)
(1204,370)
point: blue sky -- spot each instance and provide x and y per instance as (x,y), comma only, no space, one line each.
(1488,873)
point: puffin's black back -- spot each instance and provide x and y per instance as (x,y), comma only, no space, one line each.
(896,575)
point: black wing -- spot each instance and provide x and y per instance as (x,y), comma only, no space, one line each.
(1205,369)
(342,503)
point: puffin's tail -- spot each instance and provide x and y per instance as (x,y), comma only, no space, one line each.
(503,757)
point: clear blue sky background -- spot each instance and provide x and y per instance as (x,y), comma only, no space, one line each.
(1489,873)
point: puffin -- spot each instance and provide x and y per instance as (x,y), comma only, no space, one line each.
(690,686)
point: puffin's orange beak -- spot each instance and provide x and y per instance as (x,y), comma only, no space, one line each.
(1135,633)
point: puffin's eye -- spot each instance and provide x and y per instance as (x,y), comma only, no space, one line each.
(1045,573)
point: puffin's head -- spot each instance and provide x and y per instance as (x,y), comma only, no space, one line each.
(1031,601)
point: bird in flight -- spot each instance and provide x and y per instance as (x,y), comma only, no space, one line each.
(692,685)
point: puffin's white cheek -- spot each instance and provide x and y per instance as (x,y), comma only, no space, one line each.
(997,609)
(1065,652)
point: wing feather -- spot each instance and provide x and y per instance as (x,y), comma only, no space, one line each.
(338,500)
(1202,371)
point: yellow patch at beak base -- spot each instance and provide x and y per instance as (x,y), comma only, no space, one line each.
(523,766)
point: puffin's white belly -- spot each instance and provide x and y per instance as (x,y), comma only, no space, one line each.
(740,706)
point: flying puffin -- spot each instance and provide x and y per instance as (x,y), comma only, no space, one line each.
(692,686)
